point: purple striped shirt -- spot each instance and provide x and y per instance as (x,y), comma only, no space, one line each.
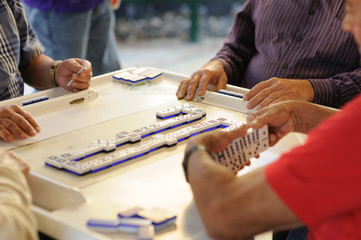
(296,40)
(63,6)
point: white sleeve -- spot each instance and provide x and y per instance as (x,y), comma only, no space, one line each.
(16,218)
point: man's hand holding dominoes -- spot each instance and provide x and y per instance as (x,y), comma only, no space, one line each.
(232,147)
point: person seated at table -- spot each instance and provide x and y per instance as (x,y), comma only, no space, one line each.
(22,61)
(317,184)
(81,29)
(17,221)
(284,50)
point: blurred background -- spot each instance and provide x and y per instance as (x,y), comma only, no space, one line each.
(175,35)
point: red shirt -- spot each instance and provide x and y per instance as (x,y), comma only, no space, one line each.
(321,180)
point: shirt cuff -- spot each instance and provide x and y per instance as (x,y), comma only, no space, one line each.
(324,91)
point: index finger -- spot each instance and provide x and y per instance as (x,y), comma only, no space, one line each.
(203,83)
(256,89)
(182,88)
(192,86)
(28,120)
(84,72)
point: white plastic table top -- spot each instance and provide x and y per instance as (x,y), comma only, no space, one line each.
(63,202)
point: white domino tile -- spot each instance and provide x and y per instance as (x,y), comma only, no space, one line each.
(121,138)
(168,112)
(101,162)
(56,161)
(133,137)
(227,122)
(170,141)
(93,148)
(77,167)
(180,134)
(172,111)
(120,156)
(155,143)
(73,155)
(140,150)
(138,75)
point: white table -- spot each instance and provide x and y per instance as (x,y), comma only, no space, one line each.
(63,202)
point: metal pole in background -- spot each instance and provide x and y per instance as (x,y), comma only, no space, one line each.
(194,31)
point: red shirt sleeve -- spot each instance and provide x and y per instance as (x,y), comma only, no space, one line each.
(321,180)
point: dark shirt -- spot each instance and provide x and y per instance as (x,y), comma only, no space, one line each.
(296,40)
(63,6)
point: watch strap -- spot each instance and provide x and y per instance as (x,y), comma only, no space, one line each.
(53,68)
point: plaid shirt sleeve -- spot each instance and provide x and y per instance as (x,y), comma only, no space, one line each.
(18,46)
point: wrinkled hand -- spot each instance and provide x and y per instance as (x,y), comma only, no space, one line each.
(211,73)
(16,123)
(68,70)
(11,160)
(279,118)
(219,140)
(278,89)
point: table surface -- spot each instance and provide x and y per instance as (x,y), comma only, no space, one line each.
(63,202)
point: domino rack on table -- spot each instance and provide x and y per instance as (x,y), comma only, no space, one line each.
(225,99)
(71,161)
(74,161)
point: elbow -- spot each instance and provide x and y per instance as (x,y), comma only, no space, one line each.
(212,219)
(218,223)
(221,221)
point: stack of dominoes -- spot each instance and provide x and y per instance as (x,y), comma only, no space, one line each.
(138,75)
(242,149)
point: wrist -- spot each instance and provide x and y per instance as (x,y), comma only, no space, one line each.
(53,68)
(189,153)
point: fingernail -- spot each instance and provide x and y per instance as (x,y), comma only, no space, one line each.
(272,139)
(37,129)
(23,136)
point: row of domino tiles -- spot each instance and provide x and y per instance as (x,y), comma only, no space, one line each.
(157,141)
(71,161)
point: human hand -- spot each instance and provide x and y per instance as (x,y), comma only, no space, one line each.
(279,117)
(70,70)
(217,141)
(11,160)
(16,123)
(211,73)
(279,89)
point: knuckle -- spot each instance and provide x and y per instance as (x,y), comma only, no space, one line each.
(184,81)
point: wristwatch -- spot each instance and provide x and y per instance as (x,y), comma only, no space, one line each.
(189,153)
(53,68)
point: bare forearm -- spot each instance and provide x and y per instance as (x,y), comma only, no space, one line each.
(236,207)
(308,115)
(37,74)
